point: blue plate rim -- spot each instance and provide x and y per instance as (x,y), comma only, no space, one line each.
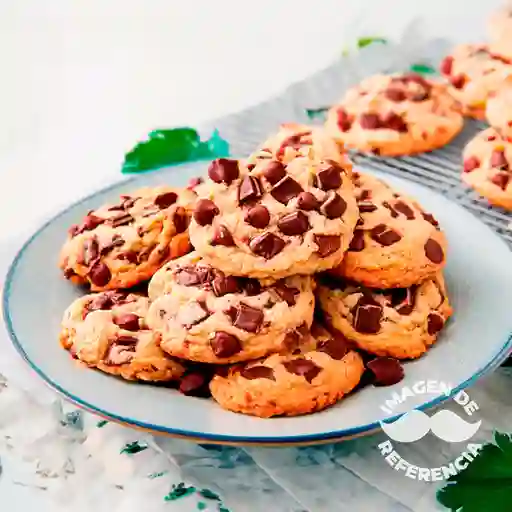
(499,357)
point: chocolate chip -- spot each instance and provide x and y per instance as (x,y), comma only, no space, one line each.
(357,243)
(126,340)
(420,95)
(334,206)
(367,316)
(458,81)
(307,201)
(205,211)
(303,367)
(430,218)
(194,384)
(250,286)
(274,172)
(471,163)
(293,224)
(116,241)
(257,217)
(446,65)
(130,256)
(329,178)
(225,345)
(366,206)
(344,120)
(267,245)
(286,293)
(120,220)
(369,121)
(327,244)
(129,201)
(222,236)
(387,205)
(435,323)
(501,180)
(91,250)
(180,220)
(364,195)
(499,160)
(336,347)
(246,317)
(193,276)
(128,321)
(223,284)
(99,274)
(403,299)
(102,302)
(434,251)
(257,372)
(166,199)
(394,122)
(90,222)
(285,190)
(384,235)
(394,94)
(223,170)
(69,273)
(386,371)
(295,141)
(249,189)
(404,209)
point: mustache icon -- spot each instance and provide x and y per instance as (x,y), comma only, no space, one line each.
(445,425)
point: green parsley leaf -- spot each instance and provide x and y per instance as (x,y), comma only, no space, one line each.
(485,485)
(157,475)
(179,491)
(209,495)
(173,146)
(422,69)
(201,505)
(133,448)
(367,41)
(223,509)
(316,113)
(101,423)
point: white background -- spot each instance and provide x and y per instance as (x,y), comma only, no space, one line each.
(82,80)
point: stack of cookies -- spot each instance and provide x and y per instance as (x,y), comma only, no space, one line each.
(276,283)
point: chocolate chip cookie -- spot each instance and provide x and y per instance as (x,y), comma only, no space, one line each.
(396,115)
(270,219)
(400,322)
(205,315)
(396,243)
(295,140)
(314,376)
(120,245)
(107,331)
(487,167)
(474,73)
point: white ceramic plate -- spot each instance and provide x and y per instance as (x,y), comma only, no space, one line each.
(479,280)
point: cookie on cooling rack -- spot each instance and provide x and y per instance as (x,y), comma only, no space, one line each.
(400,322)
(475,73)
(396,115)
(487,167)
(396,244)
(107,330)
(120,245)
(204,315)
(316,375)
(270,219)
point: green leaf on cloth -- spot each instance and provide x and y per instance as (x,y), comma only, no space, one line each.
(101,423)
(423,69)
(173,146)
(486,483)
(133,448)
(179,491)
(209,495)
(316,113)
(367,41)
